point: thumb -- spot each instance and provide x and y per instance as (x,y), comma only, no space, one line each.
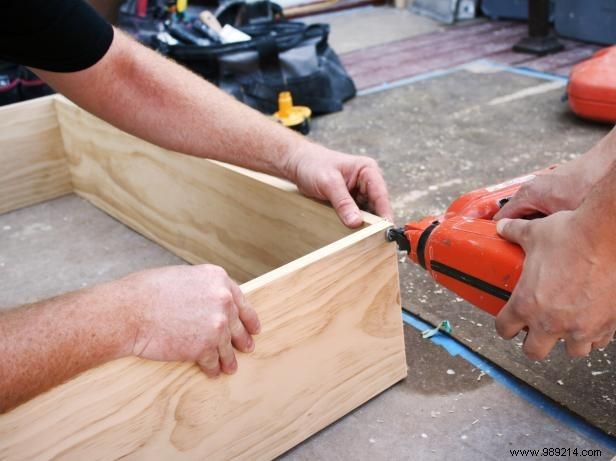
(514,230)
(337,193)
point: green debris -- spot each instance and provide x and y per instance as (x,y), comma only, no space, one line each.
(443,326)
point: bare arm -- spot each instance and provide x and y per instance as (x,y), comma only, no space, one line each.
(46,343)
(141,92)
(183,313)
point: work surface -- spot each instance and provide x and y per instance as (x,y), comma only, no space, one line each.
(445,406)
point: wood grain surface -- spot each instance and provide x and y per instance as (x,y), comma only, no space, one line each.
(201,210)
(32,163)
(331,340)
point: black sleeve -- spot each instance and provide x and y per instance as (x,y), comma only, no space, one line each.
(55,35)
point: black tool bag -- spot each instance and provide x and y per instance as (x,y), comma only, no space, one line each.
(281,56)
(9,83)
(17,83)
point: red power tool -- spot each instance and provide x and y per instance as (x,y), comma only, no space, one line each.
(462,250)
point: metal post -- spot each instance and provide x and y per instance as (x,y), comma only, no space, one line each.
(539,41)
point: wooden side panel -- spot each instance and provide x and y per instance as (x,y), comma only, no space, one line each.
(32,162)
(198,209)
(331,340)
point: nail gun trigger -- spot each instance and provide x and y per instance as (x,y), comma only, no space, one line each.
(502,202)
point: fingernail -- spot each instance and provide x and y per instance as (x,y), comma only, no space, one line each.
(352,217)
(501,224)
(250,346)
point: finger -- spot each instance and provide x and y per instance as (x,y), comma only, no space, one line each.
(337,193)
(376,190)
(537,345)
(508,323)
(228,363)
(578,348)
(514,230)
(240,338)
(517,207)
(210,363)
(246,313)
(603,342)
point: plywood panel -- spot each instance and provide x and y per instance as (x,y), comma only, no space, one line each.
(200,210)
(332,339)
(32,163)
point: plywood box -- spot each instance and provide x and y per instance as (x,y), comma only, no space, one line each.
(328,299)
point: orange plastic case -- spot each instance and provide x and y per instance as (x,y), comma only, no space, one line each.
(592,87)
(462,250)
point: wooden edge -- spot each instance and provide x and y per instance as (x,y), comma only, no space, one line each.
(380,225)
(273,181)
(327,6)
(33,165)
(287,186)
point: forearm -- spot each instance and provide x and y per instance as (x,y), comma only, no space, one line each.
(596,216)
(596,162)
(141,92)
(47,343)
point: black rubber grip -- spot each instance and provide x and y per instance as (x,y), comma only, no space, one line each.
(423,241)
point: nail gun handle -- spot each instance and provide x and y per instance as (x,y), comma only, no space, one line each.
(486,202)
(468,257)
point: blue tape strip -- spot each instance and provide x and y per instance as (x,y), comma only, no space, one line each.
(442,72)
(519,388)
(527,71)
(406,81)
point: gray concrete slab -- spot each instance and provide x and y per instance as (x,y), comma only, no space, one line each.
(437,139)
(364,27)
(64,245)
(445,409)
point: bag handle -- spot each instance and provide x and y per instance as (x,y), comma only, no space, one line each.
(269,63)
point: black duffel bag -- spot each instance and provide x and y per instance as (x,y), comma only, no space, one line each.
(281,56)
(18,83)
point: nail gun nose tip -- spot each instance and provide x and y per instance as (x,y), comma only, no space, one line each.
(397,235)
(393,234)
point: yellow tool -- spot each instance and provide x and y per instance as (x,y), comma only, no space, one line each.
(181,5)
(294,117)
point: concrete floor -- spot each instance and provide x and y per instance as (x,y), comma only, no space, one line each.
(446,408)
(364,27)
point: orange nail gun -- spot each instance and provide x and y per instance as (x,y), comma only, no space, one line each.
(462,250)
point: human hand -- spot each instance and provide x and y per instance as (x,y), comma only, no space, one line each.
(347,181)
(566,187)
(191,314)
(566,289)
